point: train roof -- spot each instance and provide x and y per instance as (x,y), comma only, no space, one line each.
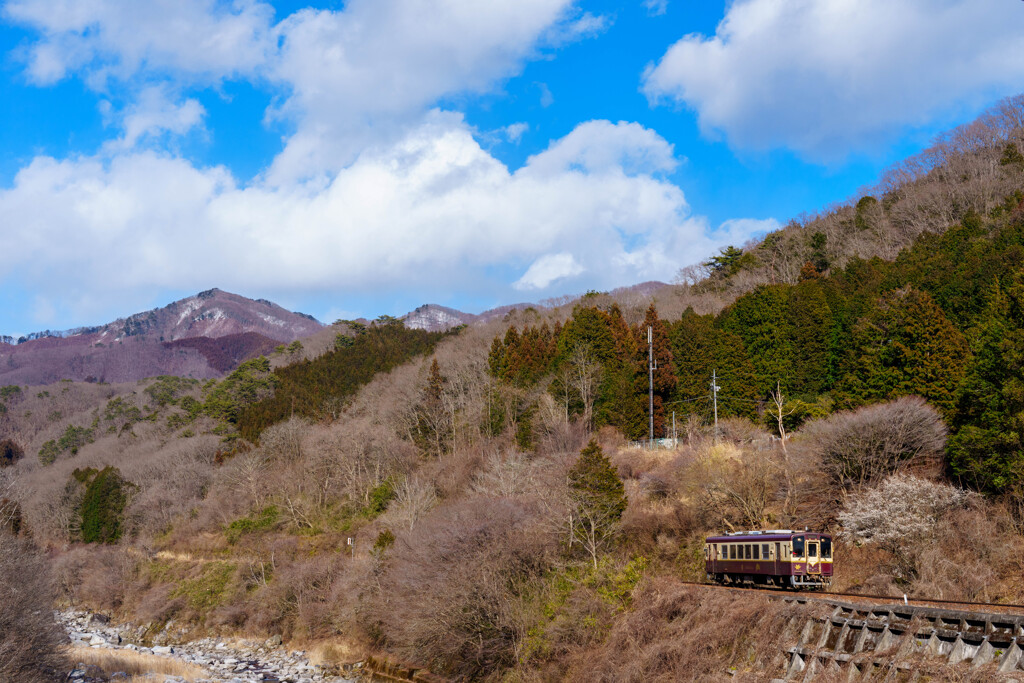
(766,535)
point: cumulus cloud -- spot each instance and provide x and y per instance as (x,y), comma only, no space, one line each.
(156,113)
(434,212)
(827,77)
(367,72)
(202,38)
(548,269)
(375,191)
(347,78)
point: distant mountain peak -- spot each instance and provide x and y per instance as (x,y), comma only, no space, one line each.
(201,336)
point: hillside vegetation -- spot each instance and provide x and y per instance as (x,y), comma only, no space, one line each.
(475,502)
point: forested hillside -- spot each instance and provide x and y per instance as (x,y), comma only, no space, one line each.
(473,501)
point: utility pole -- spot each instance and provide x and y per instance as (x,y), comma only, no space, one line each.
(714,395)
(650,384)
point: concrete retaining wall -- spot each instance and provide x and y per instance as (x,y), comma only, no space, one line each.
(897,642)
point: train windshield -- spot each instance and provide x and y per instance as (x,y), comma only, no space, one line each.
(798,546)
(826,548)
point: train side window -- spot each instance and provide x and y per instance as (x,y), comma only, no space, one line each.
(764,551)
(757,552)
(748,552)
(732,552)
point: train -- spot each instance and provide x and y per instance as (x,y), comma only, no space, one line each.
(775,557)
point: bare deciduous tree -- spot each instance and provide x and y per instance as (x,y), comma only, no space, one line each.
(863,446)
(414,498)
(584,377)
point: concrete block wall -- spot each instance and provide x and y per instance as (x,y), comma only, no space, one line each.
(902,642)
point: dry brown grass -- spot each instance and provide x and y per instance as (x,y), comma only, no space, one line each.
(136,663)
(335,652)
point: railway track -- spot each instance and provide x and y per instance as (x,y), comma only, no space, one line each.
(886,599)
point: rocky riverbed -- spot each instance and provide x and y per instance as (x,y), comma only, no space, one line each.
(230,660)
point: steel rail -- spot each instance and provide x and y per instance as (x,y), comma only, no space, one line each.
(887,598)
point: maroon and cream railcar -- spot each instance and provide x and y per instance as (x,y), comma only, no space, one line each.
(778,557)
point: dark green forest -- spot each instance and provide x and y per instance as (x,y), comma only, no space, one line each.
(311,388)
(944,321)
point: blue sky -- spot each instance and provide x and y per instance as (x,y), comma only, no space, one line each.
(364,157)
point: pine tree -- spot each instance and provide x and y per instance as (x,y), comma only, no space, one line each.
(987,447)
(759,318)
(810,330)
(434,425)
(664,373)
(905,346)
(698,348)
(598,499)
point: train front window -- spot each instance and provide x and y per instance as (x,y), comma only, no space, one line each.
(798,546)
(826,548)
(812,550)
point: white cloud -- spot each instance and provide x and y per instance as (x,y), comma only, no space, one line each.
(656,7)
(155,113)
(202,38)
(346,79)
(826,77)
(433,212)
(368,72)
(376,190)
(547,269)
(514,132)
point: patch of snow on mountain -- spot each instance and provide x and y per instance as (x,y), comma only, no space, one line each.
(272,320)
(191,305)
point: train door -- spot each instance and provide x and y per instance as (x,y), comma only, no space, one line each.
(813,565)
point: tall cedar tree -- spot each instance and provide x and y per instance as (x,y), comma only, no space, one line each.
(811,333)
(664,373)
(987,447)
(905,347)
(759,318)
(698,348)
(620,403)
(433,421)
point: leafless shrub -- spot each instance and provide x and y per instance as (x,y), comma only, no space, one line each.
(683,633)
(283,441)
(734,487)
(94,576)
(448,597)
(505,475)
(413,500)
(299,602)
(863,446)
(171,482)
(739,430)
(32,644)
